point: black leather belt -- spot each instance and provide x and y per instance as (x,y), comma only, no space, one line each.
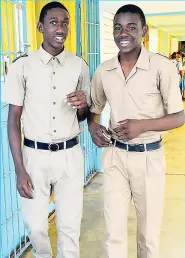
(138,147)
(51,146)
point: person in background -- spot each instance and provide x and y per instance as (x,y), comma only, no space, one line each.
(179,58)
(183,86)
(174,59)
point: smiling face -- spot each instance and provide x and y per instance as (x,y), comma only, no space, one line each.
(54,28)
(128,31)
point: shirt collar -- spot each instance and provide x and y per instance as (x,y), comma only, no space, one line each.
(46,57)
(143,61)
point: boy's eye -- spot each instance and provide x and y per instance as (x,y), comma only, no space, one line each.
(65,24)
(131,28)
(53,22)
(117,28)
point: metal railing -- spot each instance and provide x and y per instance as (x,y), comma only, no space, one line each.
(13,234)
(88,47)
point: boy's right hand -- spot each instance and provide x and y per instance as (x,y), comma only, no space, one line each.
(24,184)
(101,137)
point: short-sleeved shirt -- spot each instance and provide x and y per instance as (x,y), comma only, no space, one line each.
(150,91)
(39,83)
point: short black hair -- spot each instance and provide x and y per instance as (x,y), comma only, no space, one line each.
(50,6)
(131,8)
(180,53)
(173,56)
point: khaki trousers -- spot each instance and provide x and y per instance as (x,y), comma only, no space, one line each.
(65,171)
(137,175)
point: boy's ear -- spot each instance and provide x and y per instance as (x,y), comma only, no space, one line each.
(145,30)
(40,27)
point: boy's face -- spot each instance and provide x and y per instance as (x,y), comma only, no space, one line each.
(55,27)
(128,31)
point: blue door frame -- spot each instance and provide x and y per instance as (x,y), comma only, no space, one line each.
(89,23)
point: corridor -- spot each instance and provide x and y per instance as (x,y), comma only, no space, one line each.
(173,227)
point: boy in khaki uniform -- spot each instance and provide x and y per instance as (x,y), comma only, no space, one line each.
(39,88)
(143,93)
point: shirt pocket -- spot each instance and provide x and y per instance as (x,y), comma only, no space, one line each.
(71,84)
(146,96)
(38,84)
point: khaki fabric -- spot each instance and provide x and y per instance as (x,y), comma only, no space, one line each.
(150,91)
(65,171)
(137,176)
(40,83)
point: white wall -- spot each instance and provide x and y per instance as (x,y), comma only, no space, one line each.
(174,45)
(108,49)
(107,46)
(153,40)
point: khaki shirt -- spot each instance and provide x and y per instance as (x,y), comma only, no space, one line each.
(150,91)
(40,83)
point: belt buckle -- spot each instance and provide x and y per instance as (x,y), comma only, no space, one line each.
(53,144)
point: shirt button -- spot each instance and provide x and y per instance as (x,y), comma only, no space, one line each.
(54,131)
(54,117)
(53,72)
(53,58)
(54,87)
(54,103)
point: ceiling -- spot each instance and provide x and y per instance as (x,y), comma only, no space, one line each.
(166,15)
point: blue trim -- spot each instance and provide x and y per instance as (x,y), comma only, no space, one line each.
(51,207)
(165,14)
(0,129)
(92,155)
(8,31)
(171,25)
(99,150)
(25,38)
(9,53)
(12,230)
(98,31)
(78,27)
